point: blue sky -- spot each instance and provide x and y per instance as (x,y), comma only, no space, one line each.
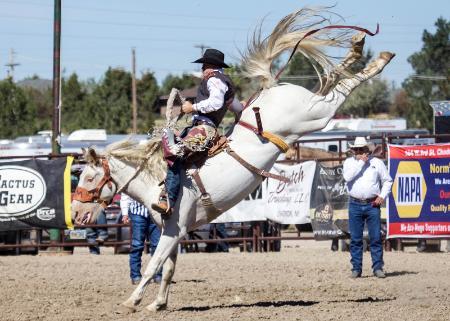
(166,34)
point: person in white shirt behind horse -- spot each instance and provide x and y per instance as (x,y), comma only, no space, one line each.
(368,183)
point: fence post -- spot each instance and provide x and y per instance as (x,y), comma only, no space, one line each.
(255,238)
(258,242)
(244,249)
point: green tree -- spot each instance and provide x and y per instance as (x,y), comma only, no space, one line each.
(16,113)
(110,102)
(74,114)
(42,102)
(371,97)
(147,94)
(431,61)
(171,81)
(300,71)
(244,87)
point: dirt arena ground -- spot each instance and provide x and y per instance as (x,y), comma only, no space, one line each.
(305,281)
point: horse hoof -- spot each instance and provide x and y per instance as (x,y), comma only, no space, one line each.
(358,38)
(155,307)
(387,56)
(125,308)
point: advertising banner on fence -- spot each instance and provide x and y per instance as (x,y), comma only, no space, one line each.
(419,205)
(248,210)
(35,193)
(288,203)
(329,203)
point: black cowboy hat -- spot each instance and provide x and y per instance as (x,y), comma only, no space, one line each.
(213,57)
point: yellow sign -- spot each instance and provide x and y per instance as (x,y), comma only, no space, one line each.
(409,189)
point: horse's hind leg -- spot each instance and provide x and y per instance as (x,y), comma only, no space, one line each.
(354,54)
(345,86)
(161,300)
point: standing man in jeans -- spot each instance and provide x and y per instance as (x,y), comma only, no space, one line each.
(142,228)
(368,183)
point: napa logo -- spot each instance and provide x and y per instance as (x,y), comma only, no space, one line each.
(409,189)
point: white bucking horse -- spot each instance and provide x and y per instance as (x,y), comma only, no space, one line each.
(287,112)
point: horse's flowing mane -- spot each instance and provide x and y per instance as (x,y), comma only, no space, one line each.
(258,58)
(149,155)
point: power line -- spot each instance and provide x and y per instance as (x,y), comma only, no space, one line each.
(112,37)
(142,12)
(122,24)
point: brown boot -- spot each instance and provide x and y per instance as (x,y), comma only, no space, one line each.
(162,207)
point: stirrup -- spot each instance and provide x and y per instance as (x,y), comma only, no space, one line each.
(162,207)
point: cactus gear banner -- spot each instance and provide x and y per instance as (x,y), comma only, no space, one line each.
(35,193)
(419,205)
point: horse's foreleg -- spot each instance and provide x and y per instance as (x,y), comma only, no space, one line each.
(161,300)
(166,245)
(322,109)
(345,86)
(354,54)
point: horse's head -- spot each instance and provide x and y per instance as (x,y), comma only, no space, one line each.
(95,189)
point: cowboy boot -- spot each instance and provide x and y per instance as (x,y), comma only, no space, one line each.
(162,207)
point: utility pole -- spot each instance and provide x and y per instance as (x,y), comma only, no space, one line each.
(202,48)
(11,64)
(56,125)
(133,89)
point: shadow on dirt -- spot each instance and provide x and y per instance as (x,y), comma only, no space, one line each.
(263,304)
(192,281)
(399,273)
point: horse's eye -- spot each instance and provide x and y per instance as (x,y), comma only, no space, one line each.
(90,179)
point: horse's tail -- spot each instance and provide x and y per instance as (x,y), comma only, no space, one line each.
(261,53)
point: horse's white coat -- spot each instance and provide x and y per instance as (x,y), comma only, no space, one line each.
(286,110)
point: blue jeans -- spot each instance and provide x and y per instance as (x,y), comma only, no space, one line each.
(358,215)
(93,232)
(173,182)
(142,228)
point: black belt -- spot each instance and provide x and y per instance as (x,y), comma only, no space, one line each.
(363,200)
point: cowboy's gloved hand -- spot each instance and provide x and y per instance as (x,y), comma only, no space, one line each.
(187,107)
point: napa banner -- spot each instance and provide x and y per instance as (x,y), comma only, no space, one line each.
(419,205)
(288,203)
(35,193)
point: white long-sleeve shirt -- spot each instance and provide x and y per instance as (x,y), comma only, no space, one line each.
(129,205)
(367,179)
(217,89)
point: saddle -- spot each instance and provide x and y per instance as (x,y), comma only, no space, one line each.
(219,144)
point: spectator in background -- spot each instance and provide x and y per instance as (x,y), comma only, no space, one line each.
(368,183)
(142,228)
(97,235)
(221,233)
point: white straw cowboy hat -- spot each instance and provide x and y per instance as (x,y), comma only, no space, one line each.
(359,142)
